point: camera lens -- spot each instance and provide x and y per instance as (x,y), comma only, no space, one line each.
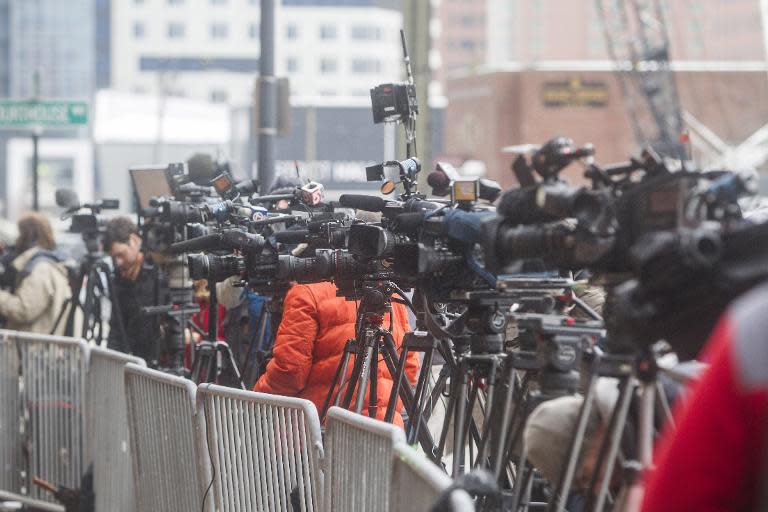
(203,266)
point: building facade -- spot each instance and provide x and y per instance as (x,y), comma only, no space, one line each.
(52,43)
(489,111)
(209,49)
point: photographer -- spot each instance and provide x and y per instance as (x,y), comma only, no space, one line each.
(135,286)
(41,280)
(310,342)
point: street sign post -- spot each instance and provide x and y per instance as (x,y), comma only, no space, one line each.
(39,114)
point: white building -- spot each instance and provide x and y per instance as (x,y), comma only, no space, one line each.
(209,49)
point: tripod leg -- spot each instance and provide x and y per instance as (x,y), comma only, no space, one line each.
(482,450)
(415,413)
(213,365)
(396,386)
(252,352)
(506,420)
(615,438)
(341,371)
(437,391)
(458,421)
(524,472)
(344,382)
(226,351)
(646,430)
(471,431)
(195,371)
(373,397)
(357,367)
(566,476)
(365,372)
(449,412)
(665,412)
(406,393)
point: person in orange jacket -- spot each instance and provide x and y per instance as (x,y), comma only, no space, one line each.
(310,342)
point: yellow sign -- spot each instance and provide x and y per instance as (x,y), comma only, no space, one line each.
(575,93)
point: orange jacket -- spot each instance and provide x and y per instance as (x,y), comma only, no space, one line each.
(310,341)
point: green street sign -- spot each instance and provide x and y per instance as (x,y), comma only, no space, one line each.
(19,114)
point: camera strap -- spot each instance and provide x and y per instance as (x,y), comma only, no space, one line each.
(38,257)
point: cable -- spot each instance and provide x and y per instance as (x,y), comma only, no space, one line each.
(213,468)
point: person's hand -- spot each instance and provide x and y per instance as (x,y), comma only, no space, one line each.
(191,337)
(132,272)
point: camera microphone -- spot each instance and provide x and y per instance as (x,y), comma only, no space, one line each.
(292,236)
(247,187)
(67,198)
(363,202)
(440,183)
(200,243)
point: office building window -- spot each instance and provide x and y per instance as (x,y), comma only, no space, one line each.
(363,66)
(292,64)
(219,96)
(291,31)
(218,2)
(139,30)
(366,32)
(253,30)
(219,31)
(175,2)
(176,30)
(327,31)
(328,66)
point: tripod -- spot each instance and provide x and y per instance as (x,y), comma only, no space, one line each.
(95,281)
(481,366)
(212,357)
(260,345)
(371,341)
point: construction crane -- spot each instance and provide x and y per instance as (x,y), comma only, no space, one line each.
(637,41)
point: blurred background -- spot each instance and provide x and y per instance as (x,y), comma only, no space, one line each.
(135,82)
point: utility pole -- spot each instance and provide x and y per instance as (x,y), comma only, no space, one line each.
(416,20)
(36,131)
(267,108)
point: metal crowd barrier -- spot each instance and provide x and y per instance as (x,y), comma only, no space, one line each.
(107,429)
(11,456)
(42,397)
(359,454)
(11,501)
(164,435)
(416,482)
(264,450)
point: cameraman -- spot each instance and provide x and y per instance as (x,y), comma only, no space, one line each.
(135,287)
(41,284)
(310,343)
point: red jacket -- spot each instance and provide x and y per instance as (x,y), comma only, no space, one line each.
(715,459)
(310,341)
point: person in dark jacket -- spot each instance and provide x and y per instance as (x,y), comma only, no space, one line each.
(135,286)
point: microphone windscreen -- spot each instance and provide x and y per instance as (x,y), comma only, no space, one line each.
(363,202)
(67,198)
(438,179)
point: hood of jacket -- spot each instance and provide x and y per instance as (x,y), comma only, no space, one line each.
(55,258)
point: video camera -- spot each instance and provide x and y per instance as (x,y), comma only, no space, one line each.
(89,225)
(661,232)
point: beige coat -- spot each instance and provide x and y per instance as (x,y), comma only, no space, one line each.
(39,297)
